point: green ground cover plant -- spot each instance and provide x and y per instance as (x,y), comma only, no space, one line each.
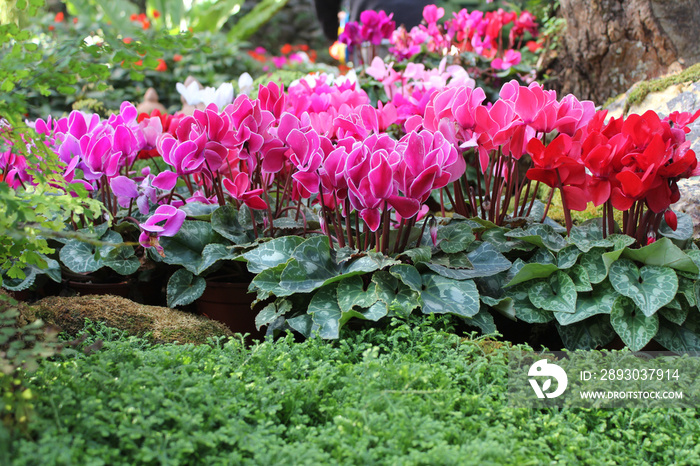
(411,393)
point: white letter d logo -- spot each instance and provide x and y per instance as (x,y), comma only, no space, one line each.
(543,368)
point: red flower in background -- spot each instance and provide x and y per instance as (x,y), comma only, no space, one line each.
(162,66)
(59,17)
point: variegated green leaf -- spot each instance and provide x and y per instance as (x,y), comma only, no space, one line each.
(184,288)
(592,333)
(567,257)
(540,235)
(497,237)
(483,320)
(485,261)
(398,298)
(677,315)
(224,221)
(455,237)
(635,329)
(272,312)
(409,275)
(271,253)
(532,272)
(442,295)
(662,253)
(595,267)
(580,277)
(598,301)
(679,339)
(186,247)
(325,312)
(524,309)
(353,293)
(556,294)
(650,287)
(79,257)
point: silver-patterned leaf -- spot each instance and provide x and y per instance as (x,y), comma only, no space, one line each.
(271,253)
(598,301)
(635,329)
(556,294)
(443,295)
(650,287)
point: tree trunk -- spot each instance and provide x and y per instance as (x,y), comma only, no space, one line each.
(608,45)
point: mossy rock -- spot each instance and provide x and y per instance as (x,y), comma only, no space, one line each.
(158,324)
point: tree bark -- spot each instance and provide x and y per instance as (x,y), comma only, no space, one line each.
(608,45)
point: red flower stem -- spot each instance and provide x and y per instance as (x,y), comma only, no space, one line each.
(385,231)
(156,164)
(339,229)
(367,235)
(611,219)
(376,241)
(399,234)
(567,212)
(532,201)
(549,202)
(188,182)
(480,193)
(604,219)
(348,228)
(280,202)
(460,206)
(452,201)
(255,224)
(357,229)
(524,201)
(442,202)
(325,219)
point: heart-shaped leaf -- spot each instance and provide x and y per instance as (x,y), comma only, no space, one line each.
(199,210)
(540,235)
(409,275)
(677,315)
(224,221)
(313,265)
(580,277)
(503,305)
(556,294)
(267,283)
(592,333)
(398,298)
(567,257)
(497,237)
(484,261)
(325,312)
(650,287)
(186,247)
(595,267)
(79,257)
(635,329)
(352,293)
(662,253)
(677,338)
(272,312)
(455,237)
(271,253)
(532,272)
(599,301)
(442,295)
(184,288)
(524,309)
(483,320)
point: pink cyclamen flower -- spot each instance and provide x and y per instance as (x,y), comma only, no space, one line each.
(509,60)
(166,221)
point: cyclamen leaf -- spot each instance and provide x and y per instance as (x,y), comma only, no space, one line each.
(567,257)
(267,283)
(184,288)
(352,292)
(483,320)
(442,295)
(589,334)
(497,238)
(325,312)
(485,261)
(214,253)
(199,210)
(650,287)
(675,315)
(635,329)
(677,338)
(272,312)
(598,301)
(503,305)
(79,257)
(531,272)
(272,253)
(524,309)
(455,237)
(580,277)
(398,298)
(557,294)
(662,253)
(224,221)
(540,235)
(187,246)
(595,267)
(409,275)
(683,231)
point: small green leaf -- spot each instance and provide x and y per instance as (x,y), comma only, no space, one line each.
(409,275)
(677,338)
(532,272)
(398,298)
(224,221)
(567,257)
(524,309)
(272,312)
(598,301)
(662,253)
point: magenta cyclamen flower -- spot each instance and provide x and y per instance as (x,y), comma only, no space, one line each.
(166,221)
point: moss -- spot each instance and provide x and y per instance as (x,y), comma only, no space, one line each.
(644,88)
(158,324)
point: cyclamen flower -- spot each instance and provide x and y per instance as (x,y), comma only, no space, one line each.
(509,60)
(166,221)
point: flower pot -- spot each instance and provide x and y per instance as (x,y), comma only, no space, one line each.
(88,288)
(230,304)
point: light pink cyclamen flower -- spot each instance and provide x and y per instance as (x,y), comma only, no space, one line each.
(166,221)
